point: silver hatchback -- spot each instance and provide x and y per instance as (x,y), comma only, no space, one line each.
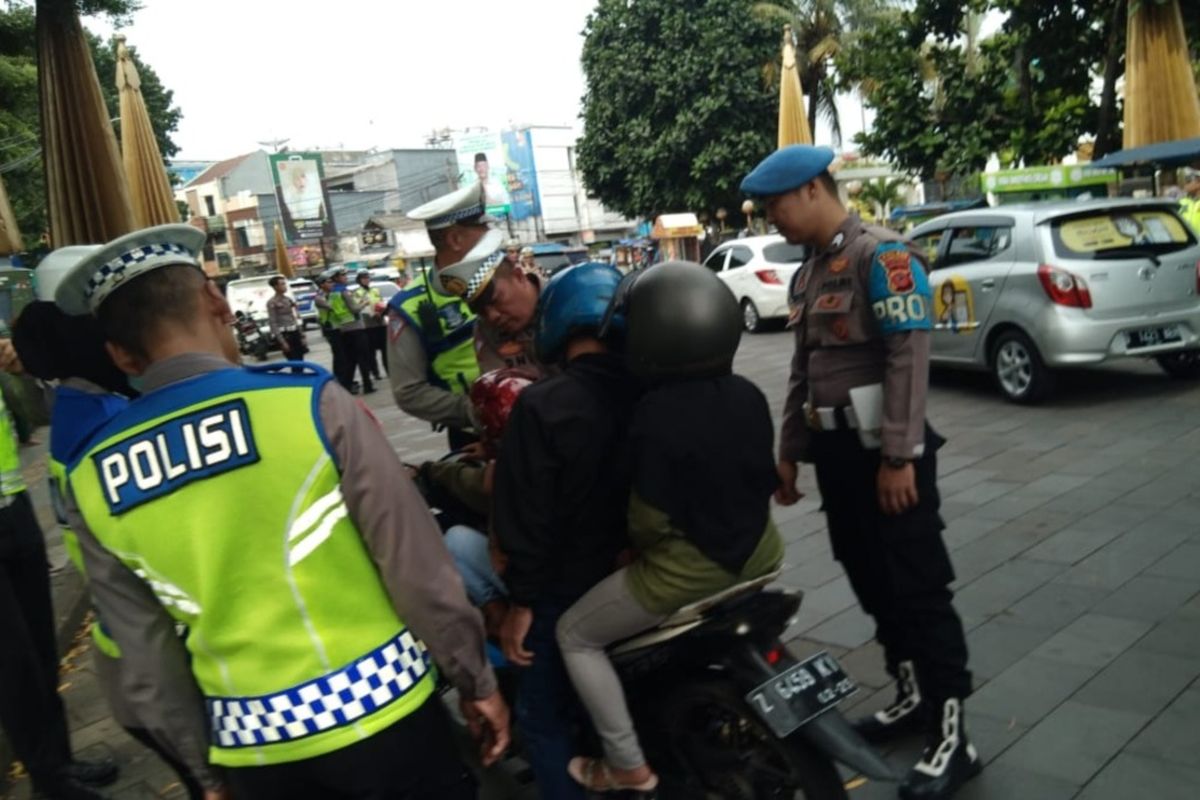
(1021,290)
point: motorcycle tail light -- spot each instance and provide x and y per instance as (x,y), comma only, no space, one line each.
(1064,288)
(774,655)
(768,276)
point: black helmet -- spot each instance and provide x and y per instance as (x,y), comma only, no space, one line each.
(680,322)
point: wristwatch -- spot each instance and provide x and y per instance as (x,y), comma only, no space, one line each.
(896,463)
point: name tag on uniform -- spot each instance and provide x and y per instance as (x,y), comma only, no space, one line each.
(172,454)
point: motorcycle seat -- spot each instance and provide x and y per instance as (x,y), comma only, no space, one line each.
(691,615)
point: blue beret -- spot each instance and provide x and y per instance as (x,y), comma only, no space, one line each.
(786,169)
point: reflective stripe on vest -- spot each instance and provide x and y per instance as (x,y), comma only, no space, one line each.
(222,494)
(453,364)
(11,480)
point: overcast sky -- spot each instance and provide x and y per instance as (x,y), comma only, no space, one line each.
(360,73)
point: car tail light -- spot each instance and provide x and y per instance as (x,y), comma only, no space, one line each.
(768,276)
(1064,288)
(774,655)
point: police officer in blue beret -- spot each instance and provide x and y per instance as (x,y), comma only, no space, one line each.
(855,409)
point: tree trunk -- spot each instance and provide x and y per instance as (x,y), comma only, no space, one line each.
(1107,138)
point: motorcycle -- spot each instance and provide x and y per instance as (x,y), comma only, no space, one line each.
(252,338)
(723,710)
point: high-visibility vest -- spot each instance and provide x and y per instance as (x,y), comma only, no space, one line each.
(223,494)
(450,348)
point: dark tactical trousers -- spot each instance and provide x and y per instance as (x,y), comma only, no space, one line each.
(897,565)
(414,759)
(31,712)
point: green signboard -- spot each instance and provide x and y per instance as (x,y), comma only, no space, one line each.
(1046,179)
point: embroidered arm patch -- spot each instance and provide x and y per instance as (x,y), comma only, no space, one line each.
(899,290)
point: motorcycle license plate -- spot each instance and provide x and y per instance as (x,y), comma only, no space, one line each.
(1149,337)
(803,691)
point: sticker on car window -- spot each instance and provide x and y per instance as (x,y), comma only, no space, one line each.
(1120,230)
(953,306)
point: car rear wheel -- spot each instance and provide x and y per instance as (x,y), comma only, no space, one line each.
(751,321)
(1018,368)
(1184,365)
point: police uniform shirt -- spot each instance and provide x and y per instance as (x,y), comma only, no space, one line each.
(281,314)
(861,315)
(398,532)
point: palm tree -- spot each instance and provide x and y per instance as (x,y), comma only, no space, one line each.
(822,28)
(883,194)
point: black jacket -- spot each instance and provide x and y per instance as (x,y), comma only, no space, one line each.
(562,480)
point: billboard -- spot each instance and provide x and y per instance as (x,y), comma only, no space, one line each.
(503,162)
(300,191)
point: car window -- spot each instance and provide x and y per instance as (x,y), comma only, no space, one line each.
(551,262)
(976,243)
(1120,233)
(739,257)
(929,244)
(716,261)
(784,253)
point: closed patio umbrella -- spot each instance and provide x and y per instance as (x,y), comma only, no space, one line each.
(793,121)
(149,187)
(1161,104)
(283,264)
(87,196)
(10,234)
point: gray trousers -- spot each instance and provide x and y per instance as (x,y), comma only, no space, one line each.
(606,614)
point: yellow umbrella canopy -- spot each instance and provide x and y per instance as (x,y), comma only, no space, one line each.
(1161,104)
(793,121)
(86,193)
(10,234)
(283,264)
(149,187)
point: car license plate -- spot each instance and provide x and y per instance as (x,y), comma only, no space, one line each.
(803,691)
(1149,337)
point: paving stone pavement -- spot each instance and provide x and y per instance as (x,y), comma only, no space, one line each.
(1074,528)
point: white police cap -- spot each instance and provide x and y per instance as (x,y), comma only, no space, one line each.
(469,277)
(55,266)
(465,205)
(85,286)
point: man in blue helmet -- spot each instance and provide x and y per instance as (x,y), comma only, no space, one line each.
(558,513)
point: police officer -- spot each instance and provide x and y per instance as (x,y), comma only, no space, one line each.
(346,315)
(369,300)
(285,324)
(855,409)
(431,356)
(1190,204)
(309,650)
(325,320)
(505,297)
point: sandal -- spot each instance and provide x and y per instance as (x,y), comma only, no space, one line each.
(595,775)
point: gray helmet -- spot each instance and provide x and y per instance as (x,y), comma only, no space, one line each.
(680,322)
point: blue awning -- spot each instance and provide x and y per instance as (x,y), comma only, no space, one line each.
(1167,154)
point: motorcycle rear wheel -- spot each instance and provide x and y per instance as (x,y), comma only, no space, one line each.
(716,737)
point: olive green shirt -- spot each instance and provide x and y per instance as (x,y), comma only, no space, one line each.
(670,572)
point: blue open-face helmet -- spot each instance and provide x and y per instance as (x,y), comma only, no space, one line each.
(576,300)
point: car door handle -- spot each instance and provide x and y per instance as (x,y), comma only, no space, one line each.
(987,284)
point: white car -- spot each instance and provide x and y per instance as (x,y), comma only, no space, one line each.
(758,270)
(251,294)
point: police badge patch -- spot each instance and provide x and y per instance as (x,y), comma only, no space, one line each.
(900,294)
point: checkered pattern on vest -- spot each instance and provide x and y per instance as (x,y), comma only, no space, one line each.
(117,266)
(339,698)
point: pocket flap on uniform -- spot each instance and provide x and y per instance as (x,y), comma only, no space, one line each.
(833,303)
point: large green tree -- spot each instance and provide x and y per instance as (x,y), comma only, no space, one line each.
(678,106)
(20,127)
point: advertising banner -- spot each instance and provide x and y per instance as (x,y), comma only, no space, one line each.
(303,201)
(503,162)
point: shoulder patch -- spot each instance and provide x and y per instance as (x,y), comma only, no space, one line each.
(899,291)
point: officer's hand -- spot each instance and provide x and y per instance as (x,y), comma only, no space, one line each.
(488,722)
(475,451)
(9,361)
(897,488)
(787,494)
(513,631)
(218,794)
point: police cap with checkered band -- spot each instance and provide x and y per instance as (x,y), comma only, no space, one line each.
(469,277)
(86,286)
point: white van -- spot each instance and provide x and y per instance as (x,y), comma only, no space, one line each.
(250,294)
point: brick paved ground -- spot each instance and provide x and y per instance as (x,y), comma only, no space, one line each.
(1075,531)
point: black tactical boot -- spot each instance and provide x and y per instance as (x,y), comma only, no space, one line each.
(948,762)
(904,716)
